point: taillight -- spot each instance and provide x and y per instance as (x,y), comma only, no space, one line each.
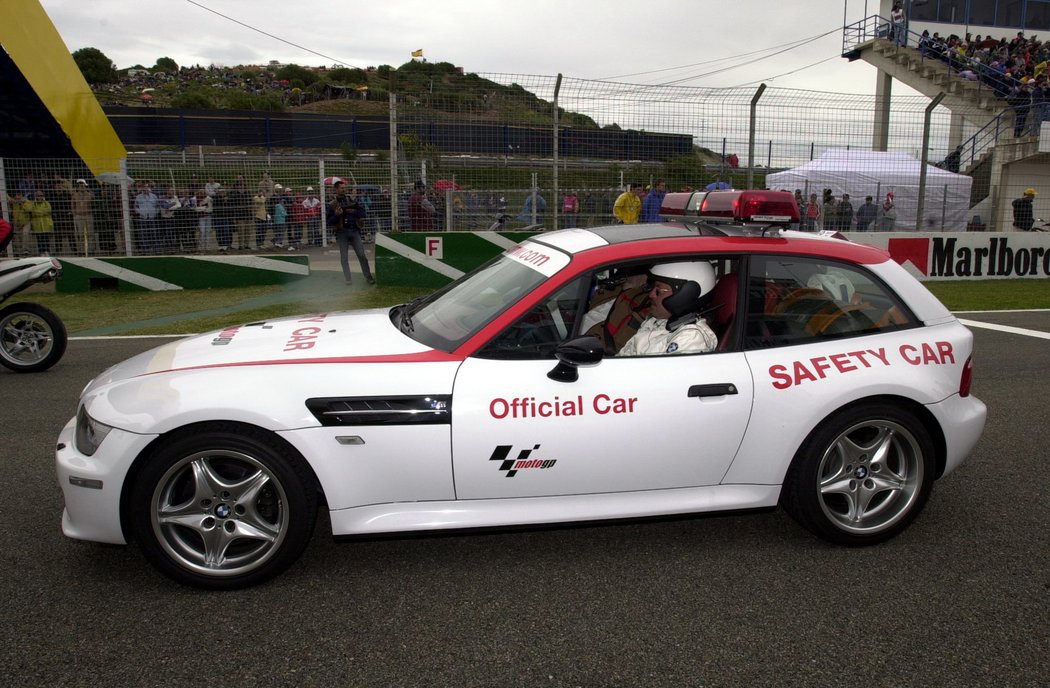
(967,378)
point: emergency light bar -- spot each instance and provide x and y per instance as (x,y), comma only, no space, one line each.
(773,207)
(769,207)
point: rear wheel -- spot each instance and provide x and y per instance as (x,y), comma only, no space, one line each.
(32,337)
(862,476)
(223,508)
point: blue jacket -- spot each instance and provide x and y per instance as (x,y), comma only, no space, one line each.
(651,206)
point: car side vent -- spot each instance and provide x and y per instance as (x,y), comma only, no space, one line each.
(393,410)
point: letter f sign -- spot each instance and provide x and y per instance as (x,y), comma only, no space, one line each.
(434,248)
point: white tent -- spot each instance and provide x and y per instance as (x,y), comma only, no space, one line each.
(872,173)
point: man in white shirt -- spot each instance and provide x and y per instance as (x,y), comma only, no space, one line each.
(675,327)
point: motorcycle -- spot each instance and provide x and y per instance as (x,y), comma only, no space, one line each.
(32,337)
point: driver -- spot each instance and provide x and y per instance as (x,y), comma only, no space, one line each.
(673,325)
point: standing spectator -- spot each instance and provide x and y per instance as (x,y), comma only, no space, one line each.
(346,216)
(1024,218)
(845,219)
(653,200)
(205,217)
(111,216)
(420,209)
(889,214)
(526,214)
(312,206)
(811,214)
(146,219)
(830,212)
(1020,99)
(570,208)
(899,22)
(280,219)
(62,216)
(297,214)
(168,230)
(266,185)
(262,218)
(866,215)
(241,209)
(628,205)
(212,187)
(40,221)
(81,201)
(223,218)
(20,221)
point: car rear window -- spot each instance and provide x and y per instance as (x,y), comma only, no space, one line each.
(794,300)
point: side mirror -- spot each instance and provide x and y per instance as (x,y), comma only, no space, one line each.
(575,353)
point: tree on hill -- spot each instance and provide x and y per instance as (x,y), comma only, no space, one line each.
(166,64)
(345,75)
(95,66)
(296,75)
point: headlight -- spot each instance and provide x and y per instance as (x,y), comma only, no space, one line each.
(90,433)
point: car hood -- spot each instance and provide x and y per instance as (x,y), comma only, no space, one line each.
(358,336)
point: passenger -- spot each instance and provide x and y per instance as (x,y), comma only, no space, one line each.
(617,313)
(674,325)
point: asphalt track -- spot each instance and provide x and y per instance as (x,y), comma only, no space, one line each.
(960,599)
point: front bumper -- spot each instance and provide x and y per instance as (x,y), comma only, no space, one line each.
(92,485)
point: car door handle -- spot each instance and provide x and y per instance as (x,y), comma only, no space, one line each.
(718,390)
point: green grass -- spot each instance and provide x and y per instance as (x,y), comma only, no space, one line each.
(181,312)
(992,295)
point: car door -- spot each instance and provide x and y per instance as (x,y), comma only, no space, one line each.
(640,423)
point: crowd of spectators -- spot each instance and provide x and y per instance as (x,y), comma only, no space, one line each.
(139,86)
(1015,69)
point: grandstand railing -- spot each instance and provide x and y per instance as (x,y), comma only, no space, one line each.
(877,27)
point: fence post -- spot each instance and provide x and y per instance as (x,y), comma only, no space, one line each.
(125,206)
(535,182)
(448,210)
(554,201)
(324,203)
(394,221)
(751,137)
(925,157)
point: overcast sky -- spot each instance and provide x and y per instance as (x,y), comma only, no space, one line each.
(690,42)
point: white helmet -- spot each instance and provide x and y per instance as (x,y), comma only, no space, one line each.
(677,274)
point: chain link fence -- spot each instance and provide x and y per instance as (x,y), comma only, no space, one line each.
(491,151)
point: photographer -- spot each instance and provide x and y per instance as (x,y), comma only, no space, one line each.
(345,218)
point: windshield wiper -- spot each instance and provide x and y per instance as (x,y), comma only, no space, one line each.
(403,314)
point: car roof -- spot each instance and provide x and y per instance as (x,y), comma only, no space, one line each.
(679,237)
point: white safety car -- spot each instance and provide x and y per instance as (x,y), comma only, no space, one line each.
(832,384)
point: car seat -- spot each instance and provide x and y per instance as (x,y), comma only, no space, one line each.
(724,300)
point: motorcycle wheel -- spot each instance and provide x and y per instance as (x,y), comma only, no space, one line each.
(32,337)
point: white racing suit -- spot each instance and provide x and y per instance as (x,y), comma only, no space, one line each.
(653,338)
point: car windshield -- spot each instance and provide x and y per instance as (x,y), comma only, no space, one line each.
(451,316)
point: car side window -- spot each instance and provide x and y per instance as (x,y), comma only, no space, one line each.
(795,300)
(536,334)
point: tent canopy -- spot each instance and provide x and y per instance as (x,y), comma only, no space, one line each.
(873,173)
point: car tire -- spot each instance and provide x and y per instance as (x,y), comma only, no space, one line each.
(32,337)
(223,506)
(861,476)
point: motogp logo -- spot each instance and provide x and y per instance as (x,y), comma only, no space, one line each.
(521,462)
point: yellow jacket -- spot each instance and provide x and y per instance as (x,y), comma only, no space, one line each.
(627,208)
(39,216)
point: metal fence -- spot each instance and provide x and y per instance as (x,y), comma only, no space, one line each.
(493,150)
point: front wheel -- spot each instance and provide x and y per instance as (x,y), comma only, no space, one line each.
(32,337)
(223,507)
(862,476)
